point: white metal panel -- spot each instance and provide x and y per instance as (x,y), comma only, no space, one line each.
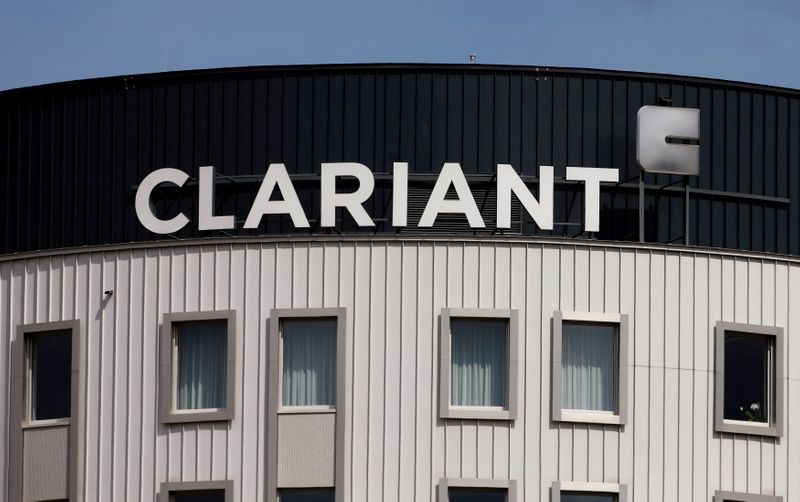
(397,448)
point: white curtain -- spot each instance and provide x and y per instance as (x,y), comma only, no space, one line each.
(479,351)
(309,362)
(589,361)
(202,354)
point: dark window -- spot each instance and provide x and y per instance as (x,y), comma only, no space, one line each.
(588,497)
(749,377)
(476,495)
(50,370)
(199,496)
(317,495)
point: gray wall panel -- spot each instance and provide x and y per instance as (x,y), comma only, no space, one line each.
(394,290)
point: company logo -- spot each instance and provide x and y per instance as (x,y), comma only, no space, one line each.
(666,140)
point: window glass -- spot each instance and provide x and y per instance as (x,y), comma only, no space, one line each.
(479,369)
(199,496)
(309,362)
(51,375)
(202,359)
(318,495)
(748,363)
(476,495)
(588,497)
(589,366)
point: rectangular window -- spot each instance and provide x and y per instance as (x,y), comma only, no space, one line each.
(196,491)
(587,497)
(49,375)
(477,490)
(197,359)
(198,496)
(478,371)
(478,364)
(572,491)
(589,378)
(201,353)
(309,362)
(307,495)
(476,495)
(749,373)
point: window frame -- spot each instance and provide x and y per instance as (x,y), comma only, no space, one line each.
(20,402)
(275,400)
(168,411)
(560,414)
(772,428)
(722,496)
(168,488)
(446,409)
(510,485)
(620,490)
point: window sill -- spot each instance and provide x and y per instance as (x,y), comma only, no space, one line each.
(748,428)
(305,410)
(587,417)
(476,413)
(201,415)
(43,424)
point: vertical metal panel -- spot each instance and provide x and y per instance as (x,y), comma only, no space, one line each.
(394,290)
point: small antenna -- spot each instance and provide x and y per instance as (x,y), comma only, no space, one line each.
(473,57)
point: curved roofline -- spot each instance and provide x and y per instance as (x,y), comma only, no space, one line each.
(400,66)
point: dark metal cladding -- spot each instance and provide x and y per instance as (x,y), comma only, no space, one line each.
(71,154)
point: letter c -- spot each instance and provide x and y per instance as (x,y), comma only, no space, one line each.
(144,207)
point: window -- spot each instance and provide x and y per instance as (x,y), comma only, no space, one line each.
(307,495)
(197,491)
(308,355)
(749,379)
(198,356)
(477,490)
(589,367)
(588,492)
(478,364)
(744,497)
(45,418)
(49,360)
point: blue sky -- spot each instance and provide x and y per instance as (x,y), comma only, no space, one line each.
(45,41)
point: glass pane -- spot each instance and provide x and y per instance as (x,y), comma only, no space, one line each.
(202,368)
(476,495)
(746,379)
(589,366)
(51,371)
(479,351)
(199,496)
(320,495)
(309,362)
(588,497)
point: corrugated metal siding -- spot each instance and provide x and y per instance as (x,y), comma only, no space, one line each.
(397,448)
(70,153)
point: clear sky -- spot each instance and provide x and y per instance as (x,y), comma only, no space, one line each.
(45,41)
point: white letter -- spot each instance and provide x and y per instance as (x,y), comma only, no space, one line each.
(144,208)
(508,181)
(276,175)
(330,200)
(592,176)
(451,174)
(400,194)
(207,220)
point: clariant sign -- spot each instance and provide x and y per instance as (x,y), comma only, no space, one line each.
(451,175)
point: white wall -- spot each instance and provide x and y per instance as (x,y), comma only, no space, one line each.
(394,291)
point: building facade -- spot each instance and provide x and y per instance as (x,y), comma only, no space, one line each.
(648,359)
